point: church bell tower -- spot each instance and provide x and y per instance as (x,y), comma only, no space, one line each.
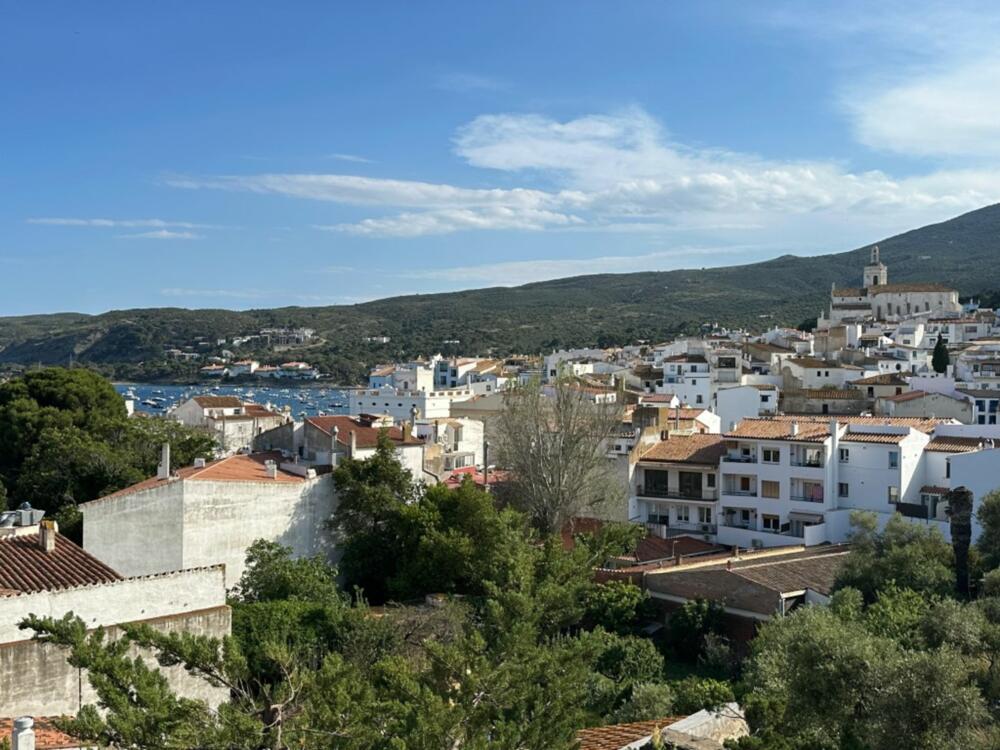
(876,272)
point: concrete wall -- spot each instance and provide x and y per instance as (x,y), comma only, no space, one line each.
(37,680)
(222,519)
(139,533)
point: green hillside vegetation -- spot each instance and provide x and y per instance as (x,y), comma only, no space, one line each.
(602,310)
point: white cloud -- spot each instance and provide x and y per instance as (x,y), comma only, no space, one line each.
(353,158)
(615,171)
(161,234)
(118,223)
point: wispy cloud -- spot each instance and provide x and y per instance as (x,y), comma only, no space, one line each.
(512,273)
(353,158)
(162,234)
(469,82)
(119,223)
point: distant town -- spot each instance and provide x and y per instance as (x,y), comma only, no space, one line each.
(744,466)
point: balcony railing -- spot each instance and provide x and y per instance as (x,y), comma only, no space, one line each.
(740,459)
(914,510)
(672,493)
(815,463)
(806,498)
(739,493)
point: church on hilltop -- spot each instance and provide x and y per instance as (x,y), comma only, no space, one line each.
(877,299)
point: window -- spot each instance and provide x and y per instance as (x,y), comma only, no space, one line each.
(704,515)
(770,489)
(710,480)
(744,484)
(947,469)
(745,515)
(845,455)
(871,391)
(682,514)
(770,523)
(843,489)
(893,495)
(698,399)
(771,455)
(765,399)
(893,459)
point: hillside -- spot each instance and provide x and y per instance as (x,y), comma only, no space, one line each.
(598,309)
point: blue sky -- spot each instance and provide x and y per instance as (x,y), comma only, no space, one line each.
(262,154)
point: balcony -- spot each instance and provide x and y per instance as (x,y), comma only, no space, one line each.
(739,459)
(678,528)
(914,510)
(815,463)
(673,493)
(734,492)
(806,499)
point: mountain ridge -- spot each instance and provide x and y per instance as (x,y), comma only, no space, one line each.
(589,309)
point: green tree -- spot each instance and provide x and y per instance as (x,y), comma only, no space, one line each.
(904,553)
(988,515)
(272,574)
(614,606)
(960,516)
(940,359)
(689,624)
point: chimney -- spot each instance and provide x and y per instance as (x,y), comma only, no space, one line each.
(406,431)
(413,418)
(271,467)
(23,736)
(47,531)
(793,429)
(354,444)
(163,470)
(199,463)
(334,440)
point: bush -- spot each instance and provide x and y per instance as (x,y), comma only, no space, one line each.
(614,606)
(718,655)
(689,625)
(991,584)
(694,694)
(649,701)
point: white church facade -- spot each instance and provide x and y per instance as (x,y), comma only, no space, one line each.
(879,300)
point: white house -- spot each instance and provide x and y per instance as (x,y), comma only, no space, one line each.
(432,404)
(233,422)
(209,513)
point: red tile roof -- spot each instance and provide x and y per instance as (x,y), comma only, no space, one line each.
(25,567)
(47,737)
(947,444)
(617,736)
(218,402)
(889,378)
(688,449)
(366,435)
(238,468)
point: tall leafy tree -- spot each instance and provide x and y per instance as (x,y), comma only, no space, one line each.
(988,515)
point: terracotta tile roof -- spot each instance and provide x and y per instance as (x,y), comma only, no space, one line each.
(617,736)
(812,363)
(979,392)
(688,449)
(657,548)
(47,737)
(218,402)
(931,489)
(256,410)
(774,429)
(656,398)
(948,444)
(889,378)
(900,288)
(366,435)
(238,468)
(692,358)
(848,291)
(918,423)
(833,394)
(754,584)
(25,567)
(889,438)
(907,396)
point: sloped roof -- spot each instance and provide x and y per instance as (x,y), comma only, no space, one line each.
(688,449)
(238,468)
(889,378)
(47,737)
(25,567)
(949,444)
(901,288)
(218,402)
(365,435)
(617,736)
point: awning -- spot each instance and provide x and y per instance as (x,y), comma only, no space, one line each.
(807,517)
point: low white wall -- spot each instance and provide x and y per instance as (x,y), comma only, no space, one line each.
(121,601)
